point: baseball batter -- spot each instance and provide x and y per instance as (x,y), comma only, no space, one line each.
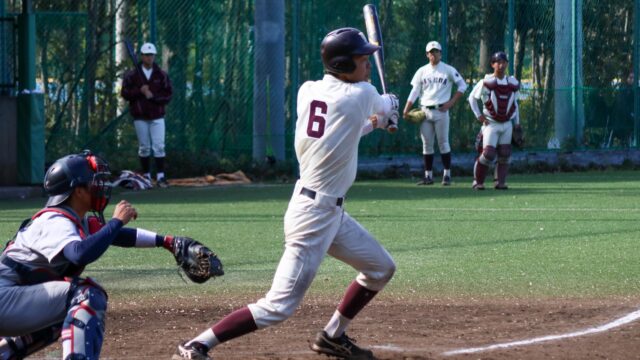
(42,297)
(499,96)
(433,83)
(332,116)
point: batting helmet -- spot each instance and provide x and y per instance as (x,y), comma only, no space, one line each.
(500,55)
(339,47)
(71,171)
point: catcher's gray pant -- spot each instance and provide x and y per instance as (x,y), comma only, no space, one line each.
(313,228)
(25,309)
(436,125)
(151,134)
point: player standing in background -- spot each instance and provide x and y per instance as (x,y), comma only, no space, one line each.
(42,296)
(147,98)
(433,83)
(332,116)
(499,96)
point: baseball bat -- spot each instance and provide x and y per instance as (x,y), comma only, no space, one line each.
(134,58)
(374,35)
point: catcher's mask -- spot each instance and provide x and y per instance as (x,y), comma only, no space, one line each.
(340,46)
(83,169)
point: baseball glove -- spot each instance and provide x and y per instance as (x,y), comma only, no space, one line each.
(197,261)
(517,137)
(415,116)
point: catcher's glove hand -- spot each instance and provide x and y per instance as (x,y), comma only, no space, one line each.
(415,116)
(197,261)
(517,137)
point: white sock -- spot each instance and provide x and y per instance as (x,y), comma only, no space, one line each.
(160,176)
(147,175)
(207,337)
(428,174)
(447,172)
(337,325)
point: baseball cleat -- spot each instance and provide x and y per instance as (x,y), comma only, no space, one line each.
(163,183)
(425,181)
(501,187)
(477,186)
(446,180)
(342,347)
(194,351)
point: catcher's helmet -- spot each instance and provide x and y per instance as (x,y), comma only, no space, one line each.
(71,171)
(339,47)
(500,55)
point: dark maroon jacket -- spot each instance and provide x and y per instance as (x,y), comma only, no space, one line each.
(139,106)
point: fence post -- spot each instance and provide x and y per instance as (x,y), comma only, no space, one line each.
(295,38)
(152,21)
(636,74)
(444,14)
(30,126)
(577,90)
(268,81)
(510,31)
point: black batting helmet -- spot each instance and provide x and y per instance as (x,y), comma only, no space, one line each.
(500,55)
(339,47)
(71,171)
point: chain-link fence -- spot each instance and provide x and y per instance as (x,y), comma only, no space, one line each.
(207,47)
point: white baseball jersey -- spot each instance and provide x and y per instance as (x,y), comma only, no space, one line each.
(480,92)
(327,136)
(435,83)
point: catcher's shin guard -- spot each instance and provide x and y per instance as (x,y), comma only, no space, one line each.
(83,328)
(502,167)
(479,172)
(14,348)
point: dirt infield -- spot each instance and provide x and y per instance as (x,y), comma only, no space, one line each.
(393,328)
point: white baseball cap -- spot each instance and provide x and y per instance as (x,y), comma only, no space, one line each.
(433,45)
(148,48)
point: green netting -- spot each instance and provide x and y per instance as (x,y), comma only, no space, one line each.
(207,48)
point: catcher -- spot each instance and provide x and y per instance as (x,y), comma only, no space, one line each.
(42,296)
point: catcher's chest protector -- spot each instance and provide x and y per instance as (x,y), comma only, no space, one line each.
(502,98)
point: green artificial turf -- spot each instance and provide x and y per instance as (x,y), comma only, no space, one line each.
(549,235)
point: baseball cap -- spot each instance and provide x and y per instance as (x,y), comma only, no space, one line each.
(433,45)
(148,48)
(500,55)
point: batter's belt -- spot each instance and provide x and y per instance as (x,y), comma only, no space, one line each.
(312,195)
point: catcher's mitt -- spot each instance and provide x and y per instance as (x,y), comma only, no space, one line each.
(197,261)
(415,116)
(517,137)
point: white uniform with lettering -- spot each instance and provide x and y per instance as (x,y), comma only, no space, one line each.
(332,116)
(433,84)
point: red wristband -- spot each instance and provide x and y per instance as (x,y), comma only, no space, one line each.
(168,242)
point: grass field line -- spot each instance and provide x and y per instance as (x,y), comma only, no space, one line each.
(633,316)
(512,209)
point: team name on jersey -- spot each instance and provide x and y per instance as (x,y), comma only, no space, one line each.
(434,80)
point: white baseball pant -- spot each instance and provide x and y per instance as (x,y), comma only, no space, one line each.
(151,135)
(496,133)
(313,228)
(436,125)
